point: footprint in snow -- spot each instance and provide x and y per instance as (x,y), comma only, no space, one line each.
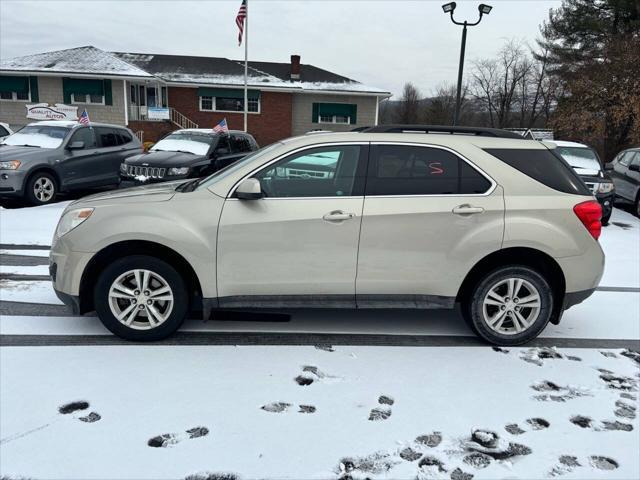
(326,348)
(608,354)
(72,407)
(169,439)
(384,411)
(458,474)
(625,410)
(552,392)
(310,374)
(566,464)
(631,354)
(376,463)
(489,443)
(603,463)
(618,382)
(605,425)
(431,440)
(534,423)
(280,407)
(212,476)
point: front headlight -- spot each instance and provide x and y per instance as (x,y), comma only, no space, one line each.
(71,220)
(605,187)
(178,171)
(10,165)
(123,168)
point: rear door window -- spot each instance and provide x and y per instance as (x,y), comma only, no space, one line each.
(413,170)
(107,137)
(544,166)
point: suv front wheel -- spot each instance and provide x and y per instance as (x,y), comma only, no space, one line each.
(41,188)
(510,305)
(141,298)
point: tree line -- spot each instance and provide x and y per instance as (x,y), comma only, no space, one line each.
(581,79)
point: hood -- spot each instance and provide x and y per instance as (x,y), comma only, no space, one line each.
(164,159)
(12,152)
(157,192)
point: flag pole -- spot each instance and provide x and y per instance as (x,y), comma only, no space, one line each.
(246,64)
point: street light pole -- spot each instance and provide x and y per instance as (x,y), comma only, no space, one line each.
(449,8)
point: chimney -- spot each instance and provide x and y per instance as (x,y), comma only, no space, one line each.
(295,67)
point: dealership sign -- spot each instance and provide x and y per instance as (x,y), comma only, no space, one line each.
(59,111)
(158,113)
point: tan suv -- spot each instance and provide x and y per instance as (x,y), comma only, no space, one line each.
(389,217)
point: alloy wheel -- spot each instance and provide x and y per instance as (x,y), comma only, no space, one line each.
(43,189)
(141,299)
(511,306)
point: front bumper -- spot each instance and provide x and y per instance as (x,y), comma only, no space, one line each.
(606,202)
(71,301)
(12,183)
(125,178)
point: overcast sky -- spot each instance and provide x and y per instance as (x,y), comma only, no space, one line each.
(382,43)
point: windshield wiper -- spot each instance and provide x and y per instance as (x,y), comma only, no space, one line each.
(24,145)
(184,151)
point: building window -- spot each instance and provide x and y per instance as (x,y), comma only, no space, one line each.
(87,98)
(338,119)
(334,113)
(15,96)
(227,104)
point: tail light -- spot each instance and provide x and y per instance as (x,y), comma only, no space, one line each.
(590,213)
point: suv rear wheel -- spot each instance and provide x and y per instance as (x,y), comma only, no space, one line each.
(141,298)
(41,188)
(510,305)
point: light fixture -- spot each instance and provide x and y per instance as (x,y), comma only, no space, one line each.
(449,7)
(484,8)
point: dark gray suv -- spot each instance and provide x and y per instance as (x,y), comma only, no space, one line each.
(46,158)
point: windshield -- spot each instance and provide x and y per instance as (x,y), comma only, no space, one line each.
(43,136)
(220,174)
(196,143)
(582,159)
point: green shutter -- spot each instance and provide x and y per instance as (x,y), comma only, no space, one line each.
(66,92)
(314,113)
(354,114)
(10,83)
(33,87)
(228,93)
(82,86)
(108,94)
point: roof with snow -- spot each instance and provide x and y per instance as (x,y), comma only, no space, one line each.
(185,69)
(88,60)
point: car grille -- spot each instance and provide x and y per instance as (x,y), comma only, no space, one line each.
(592,186)
(152,172)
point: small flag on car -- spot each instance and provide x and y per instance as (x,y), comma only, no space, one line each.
(84,118)
(221,127)
(242,14)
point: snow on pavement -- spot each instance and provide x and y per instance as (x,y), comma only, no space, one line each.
(30,226)
(306,413)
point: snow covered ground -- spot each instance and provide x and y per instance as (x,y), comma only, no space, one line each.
(305,412)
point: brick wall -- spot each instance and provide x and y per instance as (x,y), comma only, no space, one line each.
(271,124)
(153,131)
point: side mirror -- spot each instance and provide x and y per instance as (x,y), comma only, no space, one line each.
(608,166)
(249,189)
(76,145)
(634,167)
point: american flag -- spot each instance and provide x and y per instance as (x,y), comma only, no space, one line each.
(84,118)
(221,127)
(242,14)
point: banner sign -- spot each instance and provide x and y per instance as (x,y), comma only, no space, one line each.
(59,111)
(158,113)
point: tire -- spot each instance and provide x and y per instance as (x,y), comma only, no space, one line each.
(637,212)
(509,329)
(605,220)
(41,189)
(149,323)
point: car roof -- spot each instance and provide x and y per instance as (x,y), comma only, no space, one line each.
(564,143)
(207,130)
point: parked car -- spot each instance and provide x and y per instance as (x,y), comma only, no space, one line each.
(488,221)
(586,162)
(625,172)
(188,153)
(45,158)
(5,130)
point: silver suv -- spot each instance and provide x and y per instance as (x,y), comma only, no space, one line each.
(389,217)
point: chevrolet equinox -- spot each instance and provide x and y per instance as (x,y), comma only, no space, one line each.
(388,217)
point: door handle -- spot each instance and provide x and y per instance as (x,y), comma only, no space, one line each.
(337,216)
(467,209)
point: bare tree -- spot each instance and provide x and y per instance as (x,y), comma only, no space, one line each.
(409,106)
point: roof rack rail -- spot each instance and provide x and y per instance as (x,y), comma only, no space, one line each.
(478,131)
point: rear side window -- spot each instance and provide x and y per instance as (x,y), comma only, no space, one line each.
(544,166)
(412,170)
(240,144)
(107,137)
(125,137)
